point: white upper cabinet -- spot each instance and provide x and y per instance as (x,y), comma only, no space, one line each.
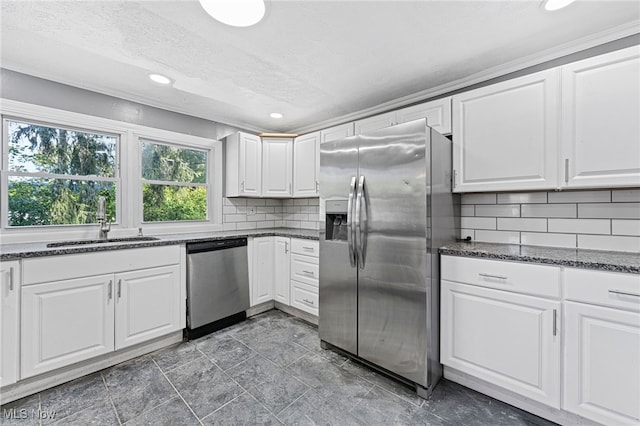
(437,113)
(9,321)
(600,124)
(244,165)
(277,167)
(505,135)
(376,122)
(306,165)
(340,131)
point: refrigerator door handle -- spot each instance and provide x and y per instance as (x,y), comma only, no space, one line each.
(350,227)
(361,223)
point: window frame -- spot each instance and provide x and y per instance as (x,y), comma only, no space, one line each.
(128,172)
(7,173)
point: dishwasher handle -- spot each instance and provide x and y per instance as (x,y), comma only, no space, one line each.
(215,245)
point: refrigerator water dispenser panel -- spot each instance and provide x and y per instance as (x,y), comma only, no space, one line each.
(336,220)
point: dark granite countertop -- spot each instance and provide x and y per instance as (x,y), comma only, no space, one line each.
(615,261)
(20,251)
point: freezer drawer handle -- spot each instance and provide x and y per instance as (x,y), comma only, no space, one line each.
(624,293)
(498,277)
(310,302)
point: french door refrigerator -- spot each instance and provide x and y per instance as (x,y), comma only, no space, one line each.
(386,202)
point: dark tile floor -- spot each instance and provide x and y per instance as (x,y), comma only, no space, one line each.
(269,369)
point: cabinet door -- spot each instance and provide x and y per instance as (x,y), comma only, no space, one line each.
(437,113)
(10,317)
(505,135)
(376,122)
(277,168)
(602,368)
(282,255)
(336,132)
(250,165)
(65,322)
(600,125)
(306,165)
(262,271)
(507,339)
(147,304)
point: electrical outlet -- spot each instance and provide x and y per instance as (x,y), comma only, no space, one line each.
(251,210)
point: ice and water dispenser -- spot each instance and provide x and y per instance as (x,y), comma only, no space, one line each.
(336,220)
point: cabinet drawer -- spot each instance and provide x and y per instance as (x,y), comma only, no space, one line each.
(69,266)
(518,277)
(304,297)
(305,269)
(604,288)
(306,247)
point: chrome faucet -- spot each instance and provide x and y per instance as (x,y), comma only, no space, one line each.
(105,226)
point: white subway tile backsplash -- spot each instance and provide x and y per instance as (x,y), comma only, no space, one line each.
(229,209)
(609,210)
(467,210)
(291,224)
(522,198)
(507,237)
(256,202)
(301,202)
(235,201)
(625,195)
(292,209)
(548,239)
(256,217)
(489,198)
(246,225)
(314,217)
(263,209)
(273,202)
(550,210)
(609,242)
(314,201)
(309,209)
(229,226)
(520,224)
(580,226)
(235,218)
(309,225)
(625,227)
(496,210)
(580,197)
(478,222)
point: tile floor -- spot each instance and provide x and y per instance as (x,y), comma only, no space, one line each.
(269,369)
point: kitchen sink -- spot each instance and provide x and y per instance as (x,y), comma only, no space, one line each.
(109,240)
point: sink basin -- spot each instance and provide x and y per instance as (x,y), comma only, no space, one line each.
(110,240)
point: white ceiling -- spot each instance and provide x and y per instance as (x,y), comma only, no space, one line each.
(313,61)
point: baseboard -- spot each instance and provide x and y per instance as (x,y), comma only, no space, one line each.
(297,313)
(259,309)
(559,416)
(62,375)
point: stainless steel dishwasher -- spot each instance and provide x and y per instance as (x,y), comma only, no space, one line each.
(217,285)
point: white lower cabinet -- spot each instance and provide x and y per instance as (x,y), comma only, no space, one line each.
(505,338)
(68,320)
(281,269)
(261,281)
(147,304)
(602,338)
(285,270)
(64,322)
(9,321)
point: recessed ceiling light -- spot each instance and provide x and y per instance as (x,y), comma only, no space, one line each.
(551,5)
(237,13)
(275,115)
(159,78)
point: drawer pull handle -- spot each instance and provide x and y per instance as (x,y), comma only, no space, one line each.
(308,273)
(310,302)
(498,277)
(624,293)
(110,296)
(308,248)
(119,289)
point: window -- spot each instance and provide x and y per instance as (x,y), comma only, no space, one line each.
(174,183)
(56,174)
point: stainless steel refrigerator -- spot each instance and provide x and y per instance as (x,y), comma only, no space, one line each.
(386,206)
